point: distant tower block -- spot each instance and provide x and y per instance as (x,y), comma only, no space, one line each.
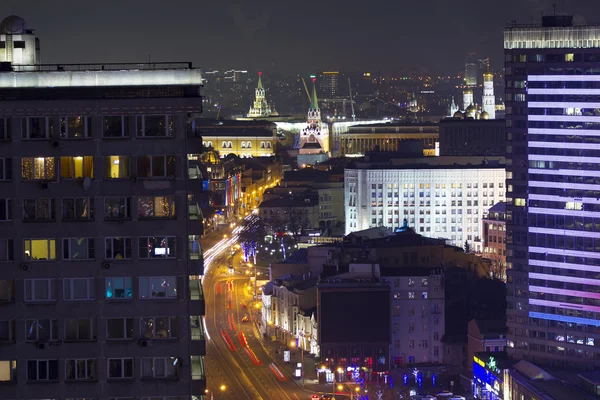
(21,47)
(489,100)
(260,108)
(467,98)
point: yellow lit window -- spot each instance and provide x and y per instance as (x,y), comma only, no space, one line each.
(570,57)
(76,167)
(116,167)
(38,168)
(40,249)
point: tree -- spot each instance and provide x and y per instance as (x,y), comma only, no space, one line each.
(467,247)
(497,267)
(252,233)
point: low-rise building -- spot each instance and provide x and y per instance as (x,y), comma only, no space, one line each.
(388,137)
(242,138)
(289,310)
(353,324)
(486,336)
(494,239)
(417,315)
(290,213)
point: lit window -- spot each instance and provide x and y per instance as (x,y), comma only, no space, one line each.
(159,327)
(8,371)
(116,167)
(40,249)
(569,57)
(158,287)
(157,247)
(195,247)
(38,169)
(118,288)
(156,207)
(76,167)
(411,295)
(78,127)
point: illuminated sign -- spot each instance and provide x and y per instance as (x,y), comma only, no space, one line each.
(492,364)
(478,361)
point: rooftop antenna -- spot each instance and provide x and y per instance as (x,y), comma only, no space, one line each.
(554,6)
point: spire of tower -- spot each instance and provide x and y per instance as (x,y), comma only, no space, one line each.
(314,103)
(259,86)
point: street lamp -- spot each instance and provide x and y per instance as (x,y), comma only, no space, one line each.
(223,388)
(293,344)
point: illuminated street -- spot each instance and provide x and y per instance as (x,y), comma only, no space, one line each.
(239,365)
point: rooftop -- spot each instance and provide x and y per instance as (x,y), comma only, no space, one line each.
(491,326)
(499,207)
(291,201)
(409,271)
(99,75)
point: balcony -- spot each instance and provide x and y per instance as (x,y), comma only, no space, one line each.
(198,305)
(197,334)
(198,383)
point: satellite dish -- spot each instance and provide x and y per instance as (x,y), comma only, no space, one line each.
(87,183)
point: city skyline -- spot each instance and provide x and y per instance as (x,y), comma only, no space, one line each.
(272,36)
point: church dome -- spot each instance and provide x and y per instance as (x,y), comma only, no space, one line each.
(477,115)
(211,157)
(471,109)
(13,25)
(458,114)
(484,115)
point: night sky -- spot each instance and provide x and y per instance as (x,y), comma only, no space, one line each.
(393,36)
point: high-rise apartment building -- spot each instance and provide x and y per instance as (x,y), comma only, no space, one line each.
(471,71)
(328,84)
(101,265)
(553,192)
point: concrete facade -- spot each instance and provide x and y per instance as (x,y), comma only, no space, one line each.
(100,278)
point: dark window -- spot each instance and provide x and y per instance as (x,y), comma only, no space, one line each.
(19,44)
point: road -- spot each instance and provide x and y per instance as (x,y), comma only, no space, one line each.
(237,364)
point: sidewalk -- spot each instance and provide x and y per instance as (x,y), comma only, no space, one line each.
(275,351)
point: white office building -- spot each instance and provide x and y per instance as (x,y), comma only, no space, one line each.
(436,196)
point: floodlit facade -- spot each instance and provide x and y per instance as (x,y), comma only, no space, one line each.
(100,290)
(18,44)
(442,201)
(553,239)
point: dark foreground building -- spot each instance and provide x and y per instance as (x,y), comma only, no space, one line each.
(100,291)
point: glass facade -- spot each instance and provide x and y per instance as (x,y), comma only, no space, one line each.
(553,192)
